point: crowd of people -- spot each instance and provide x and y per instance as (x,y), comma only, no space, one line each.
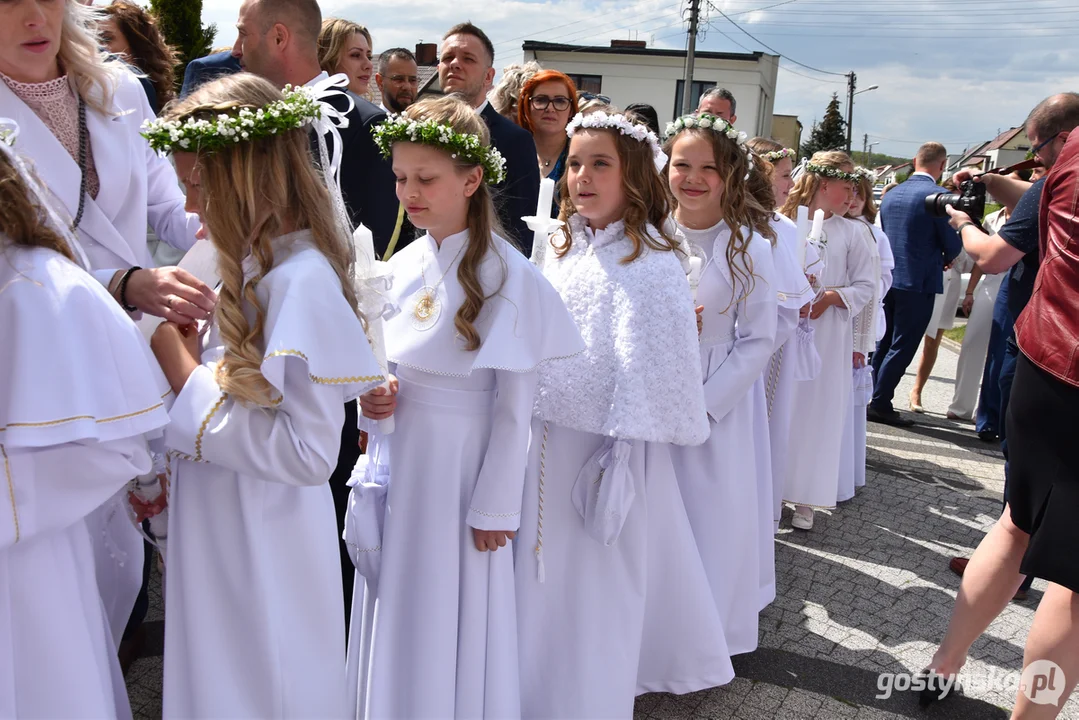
(405,455)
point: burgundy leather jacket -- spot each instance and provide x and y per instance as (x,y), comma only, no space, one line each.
(1048,329)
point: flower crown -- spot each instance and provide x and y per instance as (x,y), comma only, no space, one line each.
(298,108)
(9,130)
(830,172)
(862,173)
(777,155)
(463,146)
(599,120)
(707,121)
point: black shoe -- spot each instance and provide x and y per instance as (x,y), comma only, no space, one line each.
(890,417)
(936,688)
(987,436)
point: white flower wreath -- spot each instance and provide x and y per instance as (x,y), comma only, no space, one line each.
(707,121)
(600,120)
(830,172)
(777,155)
(466,146)
(862,173)
(298,108)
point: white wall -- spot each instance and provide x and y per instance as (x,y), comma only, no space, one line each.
(650,79)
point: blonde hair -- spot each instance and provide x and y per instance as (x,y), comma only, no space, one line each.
(508,91)
(482,221)
(645,191)
(864,188)
(22,219)
(80,56)
(333,39)
(253,192)
(739,206)
(809,183)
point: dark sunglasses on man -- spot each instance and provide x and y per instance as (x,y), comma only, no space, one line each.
(541,102)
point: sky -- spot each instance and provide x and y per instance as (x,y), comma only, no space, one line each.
(954,71)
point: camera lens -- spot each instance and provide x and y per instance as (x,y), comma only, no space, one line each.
(936,205)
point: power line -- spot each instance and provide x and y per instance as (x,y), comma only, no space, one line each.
(807,67)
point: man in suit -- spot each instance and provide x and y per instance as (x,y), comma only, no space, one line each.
(923,246)
(278,39)
(466,68)
(205,69)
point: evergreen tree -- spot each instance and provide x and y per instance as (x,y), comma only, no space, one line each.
(181,23)
(830,133)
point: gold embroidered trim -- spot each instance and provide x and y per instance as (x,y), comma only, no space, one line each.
(326,380)
(11,491)
(76,418)
(205,423)
(542,475)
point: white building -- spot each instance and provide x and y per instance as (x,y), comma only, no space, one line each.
(630,72)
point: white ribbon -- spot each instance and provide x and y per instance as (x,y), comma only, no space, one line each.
(9,131)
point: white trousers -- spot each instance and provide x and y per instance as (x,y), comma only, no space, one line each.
(968,375)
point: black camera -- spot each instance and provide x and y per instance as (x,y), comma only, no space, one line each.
(970,199)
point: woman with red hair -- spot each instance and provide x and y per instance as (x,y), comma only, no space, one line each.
(548,101)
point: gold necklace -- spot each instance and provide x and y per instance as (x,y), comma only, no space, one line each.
(426,306)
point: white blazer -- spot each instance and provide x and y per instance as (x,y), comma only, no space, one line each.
(138,186)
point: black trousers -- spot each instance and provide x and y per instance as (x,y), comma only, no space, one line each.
(346,461)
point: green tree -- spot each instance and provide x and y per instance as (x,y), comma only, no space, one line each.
(181,23)
(830,133)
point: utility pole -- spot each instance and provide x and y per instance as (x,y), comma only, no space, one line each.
(687,85)
(851,82)
(865,149)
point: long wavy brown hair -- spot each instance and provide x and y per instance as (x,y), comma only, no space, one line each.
(809,183)
(864,188)
(739,206)
(22,220)
(149,51)
(482,220)
(251,193)
(645,191)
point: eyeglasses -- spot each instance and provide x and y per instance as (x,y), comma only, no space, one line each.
(1042,144)
(410,79)
(542,102)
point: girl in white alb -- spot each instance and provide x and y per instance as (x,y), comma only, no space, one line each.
(719,480)
(845,284)
(79,394)
(434,632)
(255,624)
(612,596)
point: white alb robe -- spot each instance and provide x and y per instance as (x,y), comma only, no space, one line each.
(255,627)
(434,631)
(820,405)
(778,379)
(80,393)
(612,597)
(727,497)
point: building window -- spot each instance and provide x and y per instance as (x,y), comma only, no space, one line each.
(700,87)
(587,83)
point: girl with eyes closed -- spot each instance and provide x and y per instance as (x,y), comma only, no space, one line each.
(434,632)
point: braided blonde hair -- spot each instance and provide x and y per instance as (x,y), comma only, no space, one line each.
(252,193)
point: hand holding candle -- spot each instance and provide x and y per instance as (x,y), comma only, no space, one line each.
(803,235)
(695,267)
(543,223)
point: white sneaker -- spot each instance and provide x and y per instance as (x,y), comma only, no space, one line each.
(802,520)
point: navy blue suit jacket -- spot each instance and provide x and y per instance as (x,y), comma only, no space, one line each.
(517,196)
(922,244)
(210,67)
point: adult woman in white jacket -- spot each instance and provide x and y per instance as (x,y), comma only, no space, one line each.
(80,116)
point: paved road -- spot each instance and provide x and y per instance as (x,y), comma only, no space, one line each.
(868,591)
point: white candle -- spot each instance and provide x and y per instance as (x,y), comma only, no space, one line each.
(696,265)
(546,197)
(818,225)
(803,235)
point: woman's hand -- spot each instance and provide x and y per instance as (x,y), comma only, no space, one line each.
(177,351)
(147,510)
(830,298)
(379,404)
(859,361)
(491,539)
(170,293)
(968,304)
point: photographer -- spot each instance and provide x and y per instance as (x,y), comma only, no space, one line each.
(1037,533)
